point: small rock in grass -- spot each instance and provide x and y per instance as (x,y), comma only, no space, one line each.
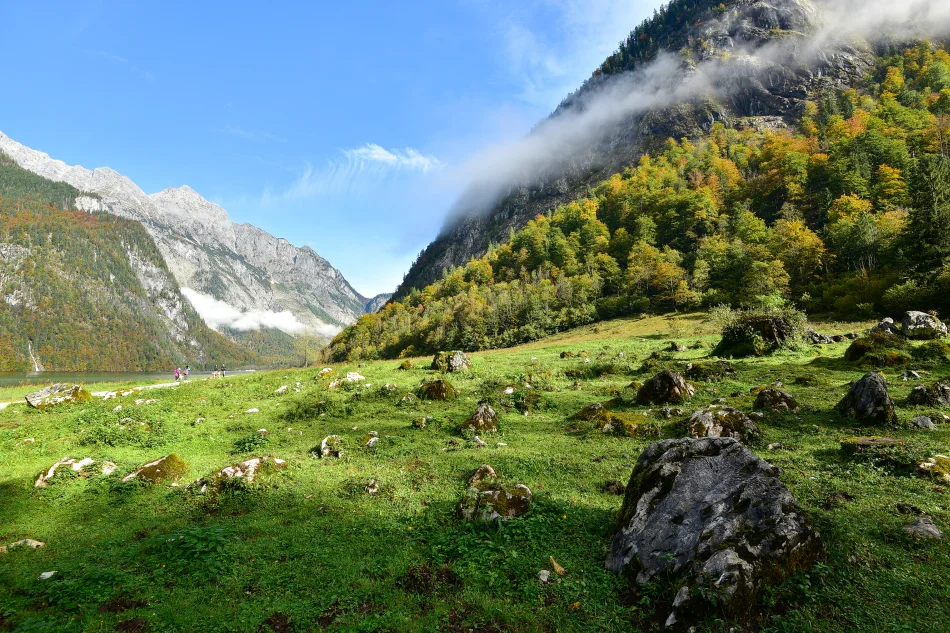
(479,442)
(46,575)
(484,419)
(937,467)
(923,422)
(774,446)
(371,442)
(770,399)
(253,410)
(722,422)
(544,576)
(924,528)
(868,401)
(332,446)
(281,389)
(372,487)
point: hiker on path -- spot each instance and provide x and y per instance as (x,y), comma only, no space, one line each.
(187,371)
(224,371)
(177,374)
(214,374)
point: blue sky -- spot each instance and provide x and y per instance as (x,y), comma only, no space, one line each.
(343,126)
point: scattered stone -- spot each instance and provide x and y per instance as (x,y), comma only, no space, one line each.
(509,391)
(709,372)
(544,576)
(868,402)
(667,387)
(590,413)
(167,468)
(854,445)
(910,375)
(484,419)
(673,346)
(933,395)
(937,467)
(487,499)
(716,518)
(254,410)
(354,376)
(245,471)
(668,413)
(326,371)
(56,394)
(924,528)
(422,423)
(198,421)
(281,389)
(142,401)
(46,575)
(451,361)
(405,365)
(817,339)
(886,326)
(371,442)
(922,326)
(479,442)
(332,446)
(775,446)
(27,543)
(923,422)
(80,466)
(771,399)
(716,421)
(372,487)
(117,408)
(438,390)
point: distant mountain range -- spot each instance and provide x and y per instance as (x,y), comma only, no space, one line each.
(236,276)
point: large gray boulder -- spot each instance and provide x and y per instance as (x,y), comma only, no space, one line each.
(712,519)
(667,387)
(886,326)
(451,361)
(868,402)
(922,326)
(56,394)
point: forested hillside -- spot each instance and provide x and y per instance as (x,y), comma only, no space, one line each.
(847,213)
(90,291)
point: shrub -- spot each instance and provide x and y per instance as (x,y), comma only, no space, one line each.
(757,331)
(250,443)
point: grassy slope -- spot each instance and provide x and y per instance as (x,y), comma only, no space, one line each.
(311,544)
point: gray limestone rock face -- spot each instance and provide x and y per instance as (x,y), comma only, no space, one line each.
(712,521)
(56,394)
(868,402)
(922,326)
(770,399)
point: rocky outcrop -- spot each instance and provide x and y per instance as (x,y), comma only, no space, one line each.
(886,326)
(933,395)
(437,390)
(451,361)
(78,466)
(208,253)
(712,521)
(57,394)
(770,399)
(484,419)
(489,499)
(922,326)
(164,469)
(868,402)
(717,421)
(667,387)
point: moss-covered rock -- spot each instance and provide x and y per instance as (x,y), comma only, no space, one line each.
(438,389)
(405,365)
(770,399)
(753,333)
(709,372)
(935,394)
(59,393)
(937,467)
(332,446)
(484,420)
(164,469)
(451,361)
(716,421)
(488,499)
(667,387)
(868,402)
(852,446)
(880,348)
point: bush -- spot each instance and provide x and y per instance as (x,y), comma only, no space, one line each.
(755,332)
(250,443)
(878,349)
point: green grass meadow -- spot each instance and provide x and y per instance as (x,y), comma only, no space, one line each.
(307,548)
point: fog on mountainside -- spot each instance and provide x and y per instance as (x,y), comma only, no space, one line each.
(746,59)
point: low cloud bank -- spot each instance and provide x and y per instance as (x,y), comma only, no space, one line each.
(220,314)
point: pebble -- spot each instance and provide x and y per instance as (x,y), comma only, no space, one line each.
(544,575)
(253,411)
(46,575)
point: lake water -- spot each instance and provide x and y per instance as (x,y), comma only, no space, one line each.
(13,378)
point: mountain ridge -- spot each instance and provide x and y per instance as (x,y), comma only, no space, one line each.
(235,263)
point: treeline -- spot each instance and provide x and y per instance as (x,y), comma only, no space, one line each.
(67,285)
(847,215)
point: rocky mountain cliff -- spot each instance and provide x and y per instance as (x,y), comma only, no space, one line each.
(744,63)
(211,257)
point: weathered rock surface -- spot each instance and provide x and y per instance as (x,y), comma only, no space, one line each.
(886,326)
(937,467)
(933,395)
(922,326)
(245,471)
(667,387)
(488,499)
(924,528)
(770,399)
(168,468)
(75,465)
(56,394)
(718,421)
(484,419)
(868,402)
(712,519)
(856,445)
(451,361)
(438,390)
(923,422)
(28,543)
(332,446)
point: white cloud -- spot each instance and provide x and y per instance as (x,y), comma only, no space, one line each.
(364,166)
(218,314)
